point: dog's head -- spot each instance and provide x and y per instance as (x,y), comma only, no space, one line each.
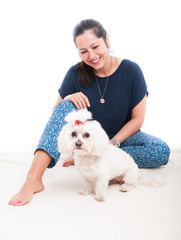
(82,135)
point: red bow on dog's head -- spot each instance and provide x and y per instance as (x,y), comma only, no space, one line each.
(78,122)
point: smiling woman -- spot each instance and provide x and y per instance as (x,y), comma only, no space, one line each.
(93,54)
(92,42)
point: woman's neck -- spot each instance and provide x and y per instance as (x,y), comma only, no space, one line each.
(105,70)
(109,68)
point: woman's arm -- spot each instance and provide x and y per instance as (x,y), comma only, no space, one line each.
(137,119)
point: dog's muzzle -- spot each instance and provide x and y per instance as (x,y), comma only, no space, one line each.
(78,143)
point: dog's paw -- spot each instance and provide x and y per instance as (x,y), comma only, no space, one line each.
(100,198)
(85,191)
(126,187)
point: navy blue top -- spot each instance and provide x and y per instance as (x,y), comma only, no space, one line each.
(126,88)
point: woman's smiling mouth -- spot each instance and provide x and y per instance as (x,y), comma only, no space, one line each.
(96,61)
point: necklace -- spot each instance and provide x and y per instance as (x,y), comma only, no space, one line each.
(102,100)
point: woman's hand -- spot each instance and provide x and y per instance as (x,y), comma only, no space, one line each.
(69,161)
(79,100)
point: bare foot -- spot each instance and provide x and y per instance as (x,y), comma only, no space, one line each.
(69,161)
(25,195)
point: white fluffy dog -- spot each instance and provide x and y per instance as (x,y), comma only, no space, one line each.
(96,159)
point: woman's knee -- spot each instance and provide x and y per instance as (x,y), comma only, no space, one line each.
(165,153)
(67,105)
(160,152)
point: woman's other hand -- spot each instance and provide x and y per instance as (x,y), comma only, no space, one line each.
(69,161)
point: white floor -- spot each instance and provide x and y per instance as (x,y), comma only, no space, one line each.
(61,213)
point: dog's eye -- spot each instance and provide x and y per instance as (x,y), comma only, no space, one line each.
(74,134)
(86,135)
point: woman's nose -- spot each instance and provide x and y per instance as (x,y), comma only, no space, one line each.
(91,55)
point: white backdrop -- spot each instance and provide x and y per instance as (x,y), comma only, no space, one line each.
(36,50)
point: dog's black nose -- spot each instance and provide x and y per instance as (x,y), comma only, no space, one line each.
(78,144)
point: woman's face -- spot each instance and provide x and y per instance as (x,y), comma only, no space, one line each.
(93,50)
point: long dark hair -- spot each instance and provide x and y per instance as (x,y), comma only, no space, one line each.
(85,76)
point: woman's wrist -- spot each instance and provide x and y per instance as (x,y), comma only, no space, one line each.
(116,142)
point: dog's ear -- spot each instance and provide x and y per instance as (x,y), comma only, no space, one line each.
(62,146)
(101,140)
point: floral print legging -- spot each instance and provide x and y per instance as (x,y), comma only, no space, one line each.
(147,151)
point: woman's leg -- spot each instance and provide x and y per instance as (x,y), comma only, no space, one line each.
(46,155)
(147,151)
(33,183)
(48,140)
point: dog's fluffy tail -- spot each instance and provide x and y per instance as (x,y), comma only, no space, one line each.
(150,179)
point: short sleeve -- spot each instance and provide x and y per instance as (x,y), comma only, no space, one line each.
(139,86)
(68,85)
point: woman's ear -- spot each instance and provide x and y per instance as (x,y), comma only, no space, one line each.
(107,41)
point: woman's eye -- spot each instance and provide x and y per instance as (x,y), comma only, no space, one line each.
(95,47)
(83,52)
(86,135)
(74,134)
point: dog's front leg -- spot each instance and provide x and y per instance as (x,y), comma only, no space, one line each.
(87,187)
(101,188)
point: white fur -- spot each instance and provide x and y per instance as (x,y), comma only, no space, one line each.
(97,160)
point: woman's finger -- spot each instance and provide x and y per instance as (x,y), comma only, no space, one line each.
(85,99)
(76,102)
(81,101)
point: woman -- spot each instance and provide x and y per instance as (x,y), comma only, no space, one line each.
(114,90)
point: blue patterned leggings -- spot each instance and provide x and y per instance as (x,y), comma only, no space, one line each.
(146,150)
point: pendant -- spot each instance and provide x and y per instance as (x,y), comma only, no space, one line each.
(102,100)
